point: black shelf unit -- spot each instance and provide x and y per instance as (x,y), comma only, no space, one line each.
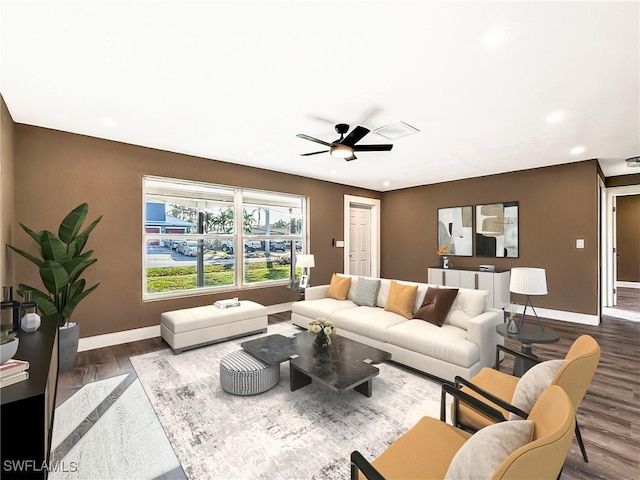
(28,407)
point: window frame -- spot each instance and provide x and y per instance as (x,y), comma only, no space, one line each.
(238,237)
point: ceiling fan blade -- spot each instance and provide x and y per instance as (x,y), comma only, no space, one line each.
(355,136)
(383,147)
(314,153)
(312,139)
(352,157)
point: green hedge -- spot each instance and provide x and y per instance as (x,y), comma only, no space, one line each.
(166,279)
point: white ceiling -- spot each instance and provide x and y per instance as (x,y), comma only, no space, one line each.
(237,80)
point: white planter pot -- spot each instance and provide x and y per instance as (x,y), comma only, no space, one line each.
(8,350)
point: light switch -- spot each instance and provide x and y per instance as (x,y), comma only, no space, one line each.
(580,243)
(340,243)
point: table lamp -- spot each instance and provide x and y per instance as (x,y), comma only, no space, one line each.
(306,261)
(528,281)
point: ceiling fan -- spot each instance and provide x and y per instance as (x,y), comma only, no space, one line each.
(345,147)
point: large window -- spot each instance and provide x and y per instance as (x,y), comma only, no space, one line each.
(200,237)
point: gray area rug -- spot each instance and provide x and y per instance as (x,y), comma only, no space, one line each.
(109,431)
(278,434)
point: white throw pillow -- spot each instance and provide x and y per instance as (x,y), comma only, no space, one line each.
(532,384)
(352,287)
(483,453)
(467,305)
(383,292)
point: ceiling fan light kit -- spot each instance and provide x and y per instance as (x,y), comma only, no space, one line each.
(345,147)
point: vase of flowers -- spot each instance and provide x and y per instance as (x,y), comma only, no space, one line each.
(322,329)
(444,258)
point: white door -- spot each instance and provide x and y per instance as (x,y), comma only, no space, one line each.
(360,241)
(614,252)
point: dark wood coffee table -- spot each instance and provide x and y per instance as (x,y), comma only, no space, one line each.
(344,365)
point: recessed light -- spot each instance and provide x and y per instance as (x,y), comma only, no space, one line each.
(333,172)
(386,184)
(577,150)
(494,37)
(108,122)
(555,117)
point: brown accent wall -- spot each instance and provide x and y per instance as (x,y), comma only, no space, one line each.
(558,205)
(55,171)
(628,237)
(6,193)
(623,180)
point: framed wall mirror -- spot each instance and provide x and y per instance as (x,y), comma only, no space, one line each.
(455,230)
(497,230)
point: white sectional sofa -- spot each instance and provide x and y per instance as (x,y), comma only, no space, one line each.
(464,344)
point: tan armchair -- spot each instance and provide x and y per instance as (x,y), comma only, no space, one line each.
(497,389)
(434,449)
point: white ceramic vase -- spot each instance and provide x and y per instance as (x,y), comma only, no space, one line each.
(30,322)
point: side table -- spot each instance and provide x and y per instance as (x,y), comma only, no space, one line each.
(527,336)
(298,289)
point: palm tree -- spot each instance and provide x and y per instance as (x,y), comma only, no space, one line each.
(248,220)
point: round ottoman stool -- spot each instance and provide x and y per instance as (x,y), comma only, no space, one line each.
(243,374)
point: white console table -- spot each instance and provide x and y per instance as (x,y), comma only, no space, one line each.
(496,283)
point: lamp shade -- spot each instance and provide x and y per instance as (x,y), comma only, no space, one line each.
(528,281)
(305,261)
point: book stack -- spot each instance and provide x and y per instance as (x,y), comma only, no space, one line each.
(13,371)
(232,302)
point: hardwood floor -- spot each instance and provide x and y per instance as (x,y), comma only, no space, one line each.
(628,298)
(609,415)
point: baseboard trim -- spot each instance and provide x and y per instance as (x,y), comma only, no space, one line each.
(118,338)
(628,284)
(144,333)
(582,318)
(623,314)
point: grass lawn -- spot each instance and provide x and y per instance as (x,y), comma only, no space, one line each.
(167,279)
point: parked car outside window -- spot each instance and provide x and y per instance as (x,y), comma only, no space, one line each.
(189,248)
(173,243)
(252,245)
(226,246)
(275,245)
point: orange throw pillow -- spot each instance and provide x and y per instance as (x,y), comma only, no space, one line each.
(339,287)
(401,298)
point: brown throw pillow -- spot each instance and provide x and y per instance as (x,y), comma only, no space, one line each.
(436,305)
(339,287)
(401,298)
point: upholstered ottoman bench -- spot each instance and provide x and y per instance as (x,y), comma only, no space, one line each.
(243,374)
(199,326)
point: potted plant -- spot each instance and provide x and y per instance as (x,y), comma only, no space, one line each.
(8,345)
(61,264)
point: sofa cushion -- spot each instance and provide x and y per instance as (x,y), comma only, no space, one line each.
(339,287)
(367,291)
(352,288)
(401,298)
(436,305)
(383,292)
(323,307)
(468,304)
(371,322)
(446,343)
